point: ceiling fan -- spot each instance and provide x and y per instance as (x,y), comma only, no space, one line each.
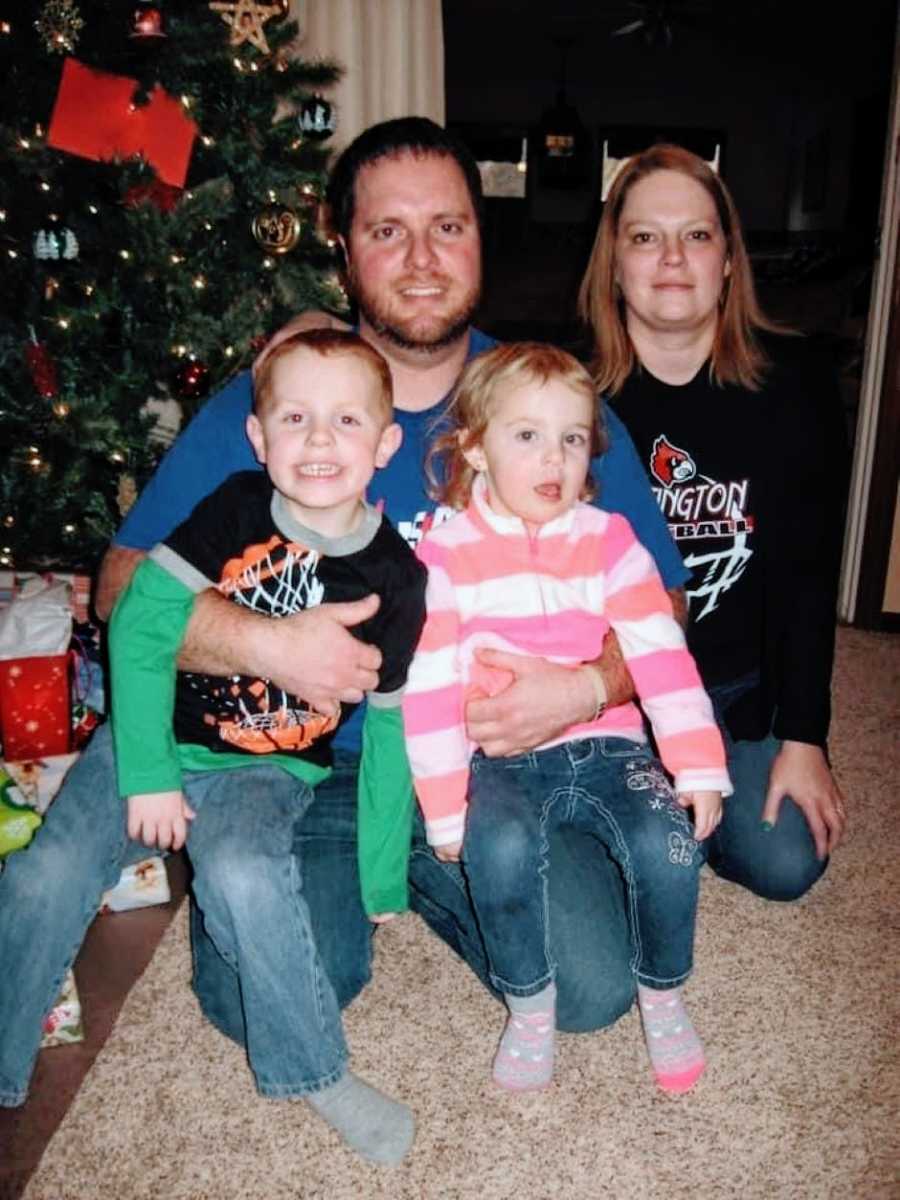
(656,21)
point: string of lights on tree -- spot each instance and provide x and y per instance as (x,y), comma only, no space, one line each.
(161,181)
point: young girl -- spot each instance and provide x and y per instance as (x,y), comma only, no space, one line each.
(527,567)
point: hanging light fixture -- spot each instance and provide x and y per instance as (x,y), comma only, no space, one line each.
(564,152)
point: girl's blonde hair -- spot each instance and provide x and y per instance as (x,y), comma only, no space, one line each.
(449,474)
(737,356)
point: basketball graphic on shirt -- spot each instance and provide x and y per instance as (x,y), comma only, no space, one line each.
(277,578)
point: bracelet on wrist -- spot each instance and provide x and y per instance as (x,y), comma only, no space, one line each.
(600,693)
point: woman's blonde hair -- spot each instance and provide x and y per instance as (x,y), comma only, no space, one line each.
(737,356)
(449,474)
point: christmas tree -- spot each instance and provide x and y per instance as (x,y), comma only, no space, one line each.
(161,174)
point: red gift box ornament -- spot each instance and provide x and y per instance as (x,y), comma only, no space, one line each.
(95,117)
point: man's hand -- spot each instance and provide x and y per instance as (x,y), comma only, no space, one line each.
(310,654)
(159,819)
(543,700)
(707,808)
(801,771)
(448,853)
(313,654)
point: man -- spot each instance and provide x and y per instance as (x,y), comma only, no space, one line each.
(406,199)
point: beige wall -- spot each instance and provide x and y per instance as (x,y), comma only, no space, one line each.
(392,52)
(892,584)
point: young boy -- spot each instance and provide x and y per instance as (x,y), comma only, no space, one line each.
(226,766)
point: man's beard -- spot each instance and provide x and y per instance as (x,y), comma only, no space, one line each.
(436,333)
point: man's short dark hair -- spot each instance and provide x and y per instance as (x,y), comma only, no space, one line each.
(404,135)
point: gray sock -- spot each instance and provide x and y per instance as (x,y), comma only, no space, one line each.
(542,1001)
(378,1128)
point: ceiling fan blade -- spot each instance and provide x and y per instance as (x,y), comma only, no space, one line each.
(631,27)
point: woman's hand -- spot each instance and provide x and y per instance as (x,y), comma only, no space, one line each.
(801,772)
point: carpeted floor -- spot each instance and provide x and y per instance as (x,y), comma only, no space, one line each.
(797,1005)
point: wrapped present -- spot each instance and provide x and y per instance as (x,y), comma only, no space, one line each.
(37,780)
(140,886)
(63,1025)
(18,820)
(95,116)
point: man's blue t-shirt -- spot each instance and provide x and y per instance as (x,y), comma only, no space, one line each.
(215,445)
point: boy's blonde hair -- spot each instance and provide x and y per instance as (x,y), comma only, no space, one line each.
(471,408)
(326,342)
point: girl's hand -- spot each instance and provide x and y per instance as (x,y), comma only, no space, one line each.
(448,853)
(159,819)
(707,808)
(382,918)
(801,771)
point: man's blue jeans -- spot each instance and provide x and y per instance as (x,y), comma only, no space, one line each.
(779,864)
(611,789)
(247,881)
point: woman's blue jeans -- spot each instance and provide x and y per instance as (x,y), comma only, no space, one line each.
(777,864)
(611,789)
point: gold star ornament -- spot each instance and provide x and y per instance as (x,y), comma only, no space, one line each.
(246,19)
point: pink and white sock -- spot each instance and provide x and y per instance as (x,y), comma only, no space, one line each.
(676,1053)
(524,1059)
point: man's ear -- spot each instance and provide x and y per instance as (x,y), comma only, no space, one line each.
(388,444)
(256,436)
(472,452)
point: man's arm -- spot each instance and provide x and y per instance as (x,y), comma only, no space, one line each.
(312,654)
(118,565)
(619,684)
(545,698)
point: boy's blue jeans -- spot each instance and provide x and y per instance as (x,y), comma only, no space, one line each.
(613,790)
(247,883)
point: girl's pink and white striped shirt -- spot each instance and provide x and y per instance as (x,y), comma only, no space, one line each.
(553,594)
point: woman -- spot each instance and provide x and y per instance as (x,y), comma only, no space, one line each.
(740,428)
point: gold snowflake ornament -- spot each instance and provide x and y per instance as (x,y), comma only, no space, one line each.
(246,19)
(59,25)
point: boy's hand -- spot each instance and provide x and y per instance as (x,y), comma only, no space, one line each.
(707,808)
(448,853)
(159,819)
(382,918)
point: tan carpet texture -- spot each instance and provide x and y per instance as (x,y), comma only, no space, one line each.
(797,1005)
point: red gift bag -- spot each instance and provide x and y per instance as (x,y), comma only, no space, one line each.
(35,706)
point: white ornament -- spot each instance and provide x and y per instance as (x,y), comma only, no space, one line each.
(46,245)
